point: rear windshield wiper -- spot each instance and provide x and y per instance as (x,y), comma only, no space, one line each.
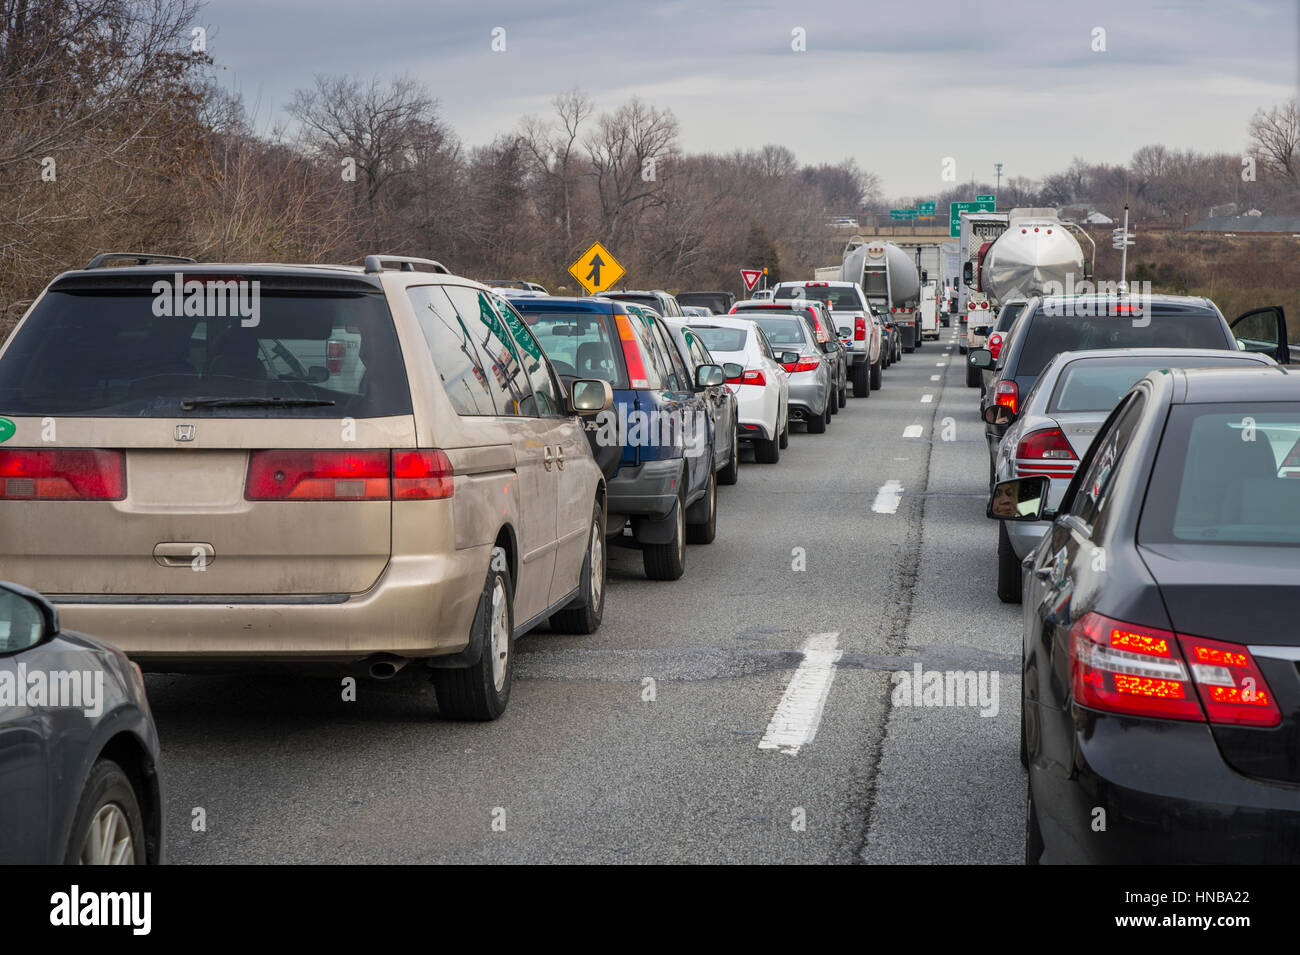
(189,404)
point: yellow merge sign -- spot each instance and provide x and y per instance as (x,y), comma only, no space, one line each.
(596,270)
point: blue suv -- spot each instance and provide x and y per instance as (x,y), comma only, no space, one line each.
(656,445)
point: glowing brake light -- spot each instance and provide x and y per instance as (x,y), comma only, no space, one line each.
(1007,395)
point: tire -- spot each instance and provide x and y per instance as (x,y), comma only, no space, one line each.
(668,561)
(1024,746)
(817,423)
(784,442)
(1033,834)
(1008,568)
(703,530)
(862,375)
(973,376)
(844,393)
(480,692)
(877,376)
(109,812)
(586,618)
(731,473)
(833,402)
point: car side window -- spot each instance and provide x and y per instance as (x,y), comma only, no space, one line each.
(699,354)
(678,367)
(764,344)
(1093,494)
(545,402)
(506,377)
(464,377)
(655,352)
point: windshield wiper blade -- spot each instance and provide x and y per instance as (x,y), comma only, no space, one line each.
(189,404)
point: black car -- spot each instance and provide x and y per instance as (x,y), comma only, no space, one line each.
(1160,719)
(657,299)
(719,303)
(79,778)
(1054,324)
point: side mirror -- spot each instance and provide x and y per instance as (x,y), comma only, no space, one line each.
(999,415)
(589,396)
(788,357)
(709,376)
(980,358)
(1024,499)
(26,618)
(733,370)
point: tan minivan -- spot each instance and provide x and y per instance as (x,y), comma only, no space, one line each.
(216,464)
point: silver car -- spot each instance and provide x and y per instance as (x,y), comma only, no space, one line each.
(1057,422)
(811,373)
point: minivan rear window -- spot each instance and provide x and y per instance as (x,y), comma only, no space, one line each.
(1048,335)
(106,354)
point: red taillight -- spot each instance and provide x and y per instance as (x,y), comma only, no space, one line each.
(422,476)
(753,376)
(1043,449)
(370,475)
(1007,395)
(636,372)
(805,363)
(62,474)
(860,329)
(1231,686)
(995,345)
(334,352)
(1125,668)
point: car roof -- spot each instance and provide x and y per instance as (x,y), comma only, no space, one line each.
(835,283)
(562,303)
(723,321)
(1162,351)
(1229,385)
(1187,301)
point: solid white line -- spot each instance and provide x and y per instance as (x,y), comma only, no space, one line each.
(926,399)
(887,497)
(794,724)
(912,431)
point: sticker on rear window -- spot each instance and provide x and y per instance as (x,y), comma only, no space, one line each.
(7,429)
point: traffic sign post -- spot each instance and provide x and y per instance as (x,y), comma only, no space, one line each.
(597,270)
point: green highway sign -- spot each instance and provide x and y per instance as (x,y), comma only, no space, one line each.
(955,209)
(986,199)
(902,213)
(925,208)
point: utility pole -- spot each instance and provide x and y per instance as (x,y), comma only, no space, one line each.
(998,167)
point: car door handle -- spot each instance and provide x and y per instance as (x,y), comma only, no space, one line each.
(548,458)
(559,456)
(1046,573)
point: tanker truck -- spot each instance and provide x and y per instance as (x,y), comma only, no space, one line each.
(891,283)
(1037,248)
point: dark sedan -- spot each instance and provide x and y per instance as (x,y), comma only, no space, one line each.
(1161,688)
(78,749)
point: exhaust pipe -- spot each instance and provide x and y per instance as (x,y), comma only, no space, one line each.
(386,668)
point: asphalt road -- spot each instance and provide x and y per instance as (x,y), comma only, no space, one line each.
(693,727)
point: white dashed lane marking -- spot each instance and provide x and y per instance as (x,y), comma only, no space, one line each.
(794,724)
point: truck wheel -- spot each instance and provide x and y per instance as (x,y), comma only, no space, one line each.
(668,561)
(1008,568)
(862,374)
(702,519)
(586,617)
(973,376)
(481,691)
(877,376)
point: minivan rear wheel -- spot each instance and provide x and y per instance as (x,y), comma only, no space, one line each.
(585,617)
(481,691)
(668,561)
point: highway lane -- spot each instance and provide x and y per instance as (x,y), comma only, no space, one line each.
(693,726)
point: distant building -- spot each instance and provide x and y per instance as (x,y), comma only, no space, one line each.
(1098,218)
(1252,221)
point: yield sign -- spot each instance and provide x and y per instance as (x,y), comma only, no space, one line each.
(751,277)
(596,270)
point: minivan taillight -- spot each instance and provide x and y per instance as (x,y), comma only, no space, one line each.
(1126,668)
(368,475)
(62,474)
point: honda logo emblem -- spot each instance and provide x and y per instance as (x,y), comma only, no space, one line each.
(185,432)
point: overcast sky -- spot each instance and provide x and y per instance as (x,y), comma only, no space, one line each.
(897,86)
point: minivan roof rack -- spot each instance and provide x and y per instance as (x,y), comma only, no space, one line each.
(375,263)
(141,258)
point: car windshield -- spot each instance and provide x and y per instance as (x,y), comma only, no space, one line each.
(578,344)
(840,298)
(721,339)
(1164,327)
(782,331)
(1098,384)
(107,354)
(1226,474)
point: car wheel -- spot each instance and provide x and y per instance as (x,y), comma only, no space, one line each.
(586,617)
(844,394)
(785,435)
(702,523)
(1008,568)
(1033,834)
(833,402)
(668,561)
(481,691)
(877,376)
(972,376)
(731,473)
(107,828)
(817,423)
(862,373)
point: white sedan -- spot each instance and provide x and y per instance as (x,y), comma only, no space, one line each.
(762,390)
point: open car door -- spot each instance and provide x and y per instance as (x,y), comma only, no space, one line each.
(1263,330)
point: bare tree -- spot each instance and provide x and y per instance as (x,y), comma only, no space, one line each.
(1275,137)
(625,150)
(553,147)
